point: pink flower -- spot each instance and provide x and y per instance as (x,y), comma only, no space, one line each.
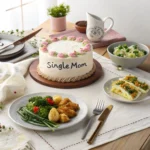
(88,45)
(72,38)
(44,49)
(45,43)
(79,39)
(86,42)
(54,39)
(73,54)
(61,55)
(86,49)
(63,38)
(53,53)
(82,51)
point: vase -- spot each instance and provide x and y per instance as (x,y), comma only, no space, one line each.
(58,24)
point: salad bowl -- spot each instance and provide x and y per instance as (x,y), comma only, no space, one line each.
(127,62)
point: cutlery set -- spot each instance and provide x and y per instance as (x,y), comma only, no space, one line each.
(4,48)
(98,110)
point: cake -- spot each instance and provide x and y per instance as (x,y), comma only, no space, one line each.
(66,59)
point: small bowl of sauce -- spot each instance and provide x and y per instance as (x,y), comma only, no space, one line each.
(81,26)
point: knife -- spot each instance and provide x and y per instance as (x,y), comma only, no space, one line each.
(20,41)
(102,119)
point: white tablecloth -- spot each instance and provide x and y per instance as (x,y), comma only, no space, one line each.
(123,120)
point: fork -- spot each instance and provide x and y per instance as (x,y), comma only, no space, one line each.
(96,111)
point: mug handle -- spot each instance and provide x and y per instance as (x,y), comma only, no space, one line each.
(111,25)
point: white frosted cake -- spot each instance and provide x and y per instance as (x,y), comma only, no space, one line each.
(66,59)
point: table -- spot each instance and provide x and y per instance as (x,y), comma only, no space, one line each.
(136,141)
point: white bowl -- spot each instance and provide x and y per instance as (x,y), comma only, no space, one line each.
(127,62)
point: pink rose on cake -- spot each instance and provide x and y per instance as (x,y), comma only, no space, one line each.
(45,43)
(88,46)
(53,53)
(82,51)
(79,39)
(44,49)
(73,54)
(72,38)
(62,55)
(63,38)
(86,42)
(54,39)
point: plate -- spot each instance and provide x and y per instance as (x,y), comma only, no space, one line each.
(22,101)
(12,51)
(113,96)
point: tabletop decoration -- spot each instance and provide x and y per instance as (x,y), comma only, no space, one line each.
(58,16)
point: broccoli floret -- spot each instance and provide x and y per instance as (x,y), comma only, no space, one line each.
(35,98)
(44,111)
(30,106)
(125,46)
(135,46)
(40,102)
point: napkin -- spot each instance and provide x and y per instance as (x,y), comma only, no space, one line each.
(12,81)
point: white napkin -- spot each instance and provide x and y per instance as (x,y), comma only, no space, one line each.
(12,82)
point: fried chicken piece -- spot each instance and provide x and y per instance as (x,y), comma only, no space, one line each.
(73,106)
(69,112)
(64,118)
(64,101)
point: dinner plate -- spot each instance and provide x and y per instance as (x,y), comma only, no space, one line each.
(22,101)
(10,51)
(113,96)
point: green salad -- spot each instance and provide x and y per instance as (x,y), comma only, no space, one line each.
(36,111)
(128,51)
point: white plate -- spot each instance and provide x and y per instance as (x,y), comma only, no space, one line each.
(107,89)
(22,101)
(10,51)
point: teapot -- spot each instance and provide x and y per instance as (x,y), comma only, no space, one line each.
(95,27)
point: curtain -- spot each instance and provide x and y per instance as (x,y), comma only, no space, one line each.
(23,14)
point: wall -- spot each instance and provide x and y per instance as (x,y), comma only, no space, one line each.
(132,17)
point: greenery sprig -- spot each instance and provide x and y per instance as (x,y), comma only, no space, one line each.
(58,11)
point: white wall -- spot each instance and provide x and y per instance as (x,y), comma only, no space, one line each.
(132,17)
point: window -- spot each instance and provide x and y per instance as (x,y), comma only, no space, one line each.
(23,14)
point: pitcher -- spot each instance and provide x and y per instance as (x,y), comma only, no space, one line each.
(95,27)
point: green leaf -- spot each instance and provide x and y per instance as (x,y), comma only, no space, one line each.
(58,11)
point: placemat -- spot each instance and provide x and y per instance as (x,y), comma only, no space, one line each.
(123,120)
(111,37)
